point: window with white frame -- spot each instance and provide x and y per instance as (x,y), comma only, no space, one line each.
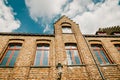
(100,54)
(42,55)
(10,54)
(66,29)
(72,54)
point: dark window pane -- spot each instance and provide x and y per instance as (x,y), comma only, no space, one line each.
(12,62)
(4,61)
(118,47)
(43,46)
(104,56)
(16,53)
(8,53)
(98,57)
(6,57)
(12,46)
(11,55)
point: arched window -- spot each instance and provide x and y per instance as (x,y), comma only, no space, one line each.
(72,54)
(117,47)
(100,53)
(11,54)
(66,29)
(42,55)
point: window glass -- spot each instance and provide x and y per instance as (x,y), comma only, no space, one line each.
(66,29)
(72,54)
(118,47)
(10,55)
(100,54)
(42,55)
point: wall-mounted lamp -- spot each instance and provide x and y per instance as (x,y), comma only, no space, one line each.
(59,67)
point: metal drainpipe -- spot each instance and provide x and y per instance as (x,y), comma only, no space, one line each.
(101,74)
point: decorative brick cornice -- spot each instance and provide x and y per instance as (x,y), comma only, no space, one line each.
(109,30)
(111,36)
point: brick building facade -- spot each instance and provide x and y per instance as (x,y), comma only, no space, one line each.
(83,57)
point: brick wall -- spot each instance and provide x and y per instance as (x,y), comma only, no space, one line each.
(24,69)
(110,71)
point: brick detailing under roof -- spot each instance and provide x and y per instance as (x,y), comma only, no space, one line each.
(109,30)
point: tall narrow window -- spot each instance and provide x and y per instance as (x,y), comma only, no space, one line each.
(42,55)
(72,54)
(100,54)
(118,47)
(10,55)
(66,29)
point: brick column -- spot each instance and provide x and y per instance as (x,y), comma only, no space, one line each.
(85,53)
(23,62)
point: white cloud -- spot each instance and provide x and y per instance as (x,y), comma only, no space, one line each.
(76,7)
(43,11)
(44,8)
(7,20)
(103,15)
(88,15)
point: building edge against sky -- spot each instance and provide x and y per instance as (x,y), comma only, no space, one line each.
(34,56)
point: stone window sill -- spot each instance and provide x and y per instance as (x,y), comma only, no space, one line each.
(6,66)
(105,65)
(67,33)
(40,66)
(74,65)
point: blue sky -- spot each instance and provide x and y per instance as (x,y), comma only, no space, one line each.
(38,16)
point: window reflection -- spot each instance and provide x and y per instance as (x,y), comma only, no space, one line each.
(11,55)
(72,54)
(42,55)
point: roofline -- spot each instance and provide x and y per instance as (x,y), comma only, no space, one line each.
(52,35)
(91,35)
(26,34)
(66,17)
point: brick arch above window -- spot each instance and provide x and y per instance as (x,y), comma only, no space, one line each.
(117,47)
(116,44)
(16,40)
(65,24)
(45,41)
(95,41)
(115,41)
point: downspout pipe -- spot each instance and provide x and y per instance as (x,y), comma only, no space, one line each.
(101,74)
